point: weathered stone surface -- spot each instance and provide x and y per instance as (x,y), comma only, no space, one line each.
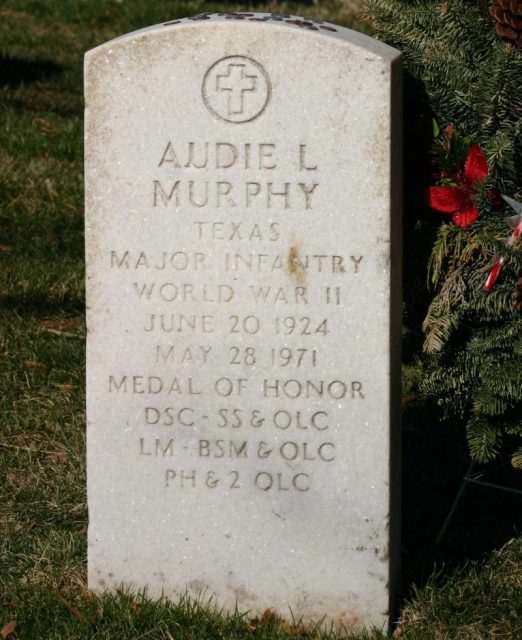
(242,205)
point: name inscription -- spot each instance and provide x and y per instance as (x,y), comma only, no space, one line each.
(222,159)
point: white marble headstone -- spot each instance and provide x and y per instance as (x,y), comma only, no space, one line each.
(243,291)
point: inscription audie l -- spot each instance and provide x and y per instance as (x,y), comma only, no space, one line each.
(225,155)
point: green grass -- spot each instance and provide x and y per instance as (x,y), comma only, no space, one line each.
(477,601)
(51,615)
(43,515)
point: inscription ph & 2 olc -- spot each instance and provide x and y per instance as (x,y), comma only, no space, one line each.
(262,480)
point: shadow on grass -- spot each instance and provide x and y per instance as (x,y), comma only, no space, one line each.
(15,71)
(435,460)
(61,95)
(41,305)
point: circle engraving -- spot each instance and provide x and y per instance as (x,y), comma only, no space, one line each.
(236,89)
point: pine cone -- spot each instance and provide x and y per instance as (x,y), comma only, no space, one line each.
(508,20)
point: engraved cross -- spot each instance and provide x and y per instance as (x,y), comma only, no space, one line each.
(237,83)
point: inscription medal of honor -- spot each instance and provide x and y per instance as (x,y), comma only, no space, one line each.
(243,386)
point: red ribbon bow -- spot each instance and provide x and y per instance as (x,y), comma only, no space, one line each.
(457,200)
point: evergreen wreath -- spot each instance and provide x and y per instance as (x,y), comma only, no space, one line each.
(472,81)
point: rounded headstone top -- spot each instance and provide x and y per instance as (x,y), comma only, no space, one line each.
(310,24)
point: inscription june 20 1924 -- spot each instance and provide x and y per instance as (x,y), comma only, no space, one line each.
(240,260)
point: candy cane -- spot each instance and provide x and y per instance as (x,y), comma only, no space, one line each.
(515,222)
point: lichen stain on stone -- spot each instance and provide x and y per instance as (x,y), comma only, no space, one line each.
(243,594)
(296,269)
(197,586)
(347,620)
(382,554)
